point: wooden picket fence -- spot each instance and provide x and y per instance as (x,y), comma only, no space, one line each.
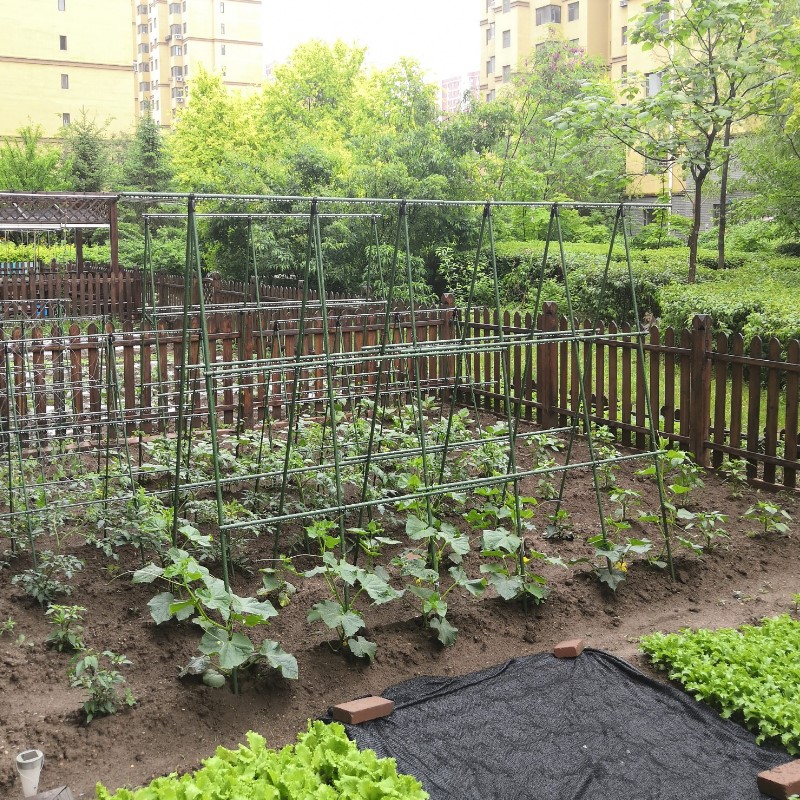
(716,396)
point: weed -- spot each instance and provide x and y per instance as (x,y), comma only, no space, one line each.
(735,472)
(8,626)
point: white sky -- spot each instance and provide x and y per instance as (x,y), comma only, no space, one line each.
(443,35)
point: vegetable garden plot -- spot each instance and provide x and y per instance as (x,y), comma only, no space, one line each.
(541,727)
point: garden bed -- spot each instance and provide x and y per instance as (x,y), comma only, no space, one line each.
(176,723)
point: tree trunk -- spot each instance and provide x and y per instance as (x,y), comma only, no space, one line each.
(723,198)
(699,179)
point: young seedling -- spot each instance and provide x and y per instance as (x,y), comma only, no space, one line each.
(105,685)
(735,471)
(771,517)
(624,499)
(707,524)
(67,633)
(612,559)
(44,583)
(8,626)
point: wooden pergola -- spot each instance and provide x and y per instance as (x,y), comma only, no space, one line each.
(46,211)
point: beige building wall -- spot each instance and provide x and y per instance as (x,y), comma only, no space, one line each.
(59,56)
(174,40)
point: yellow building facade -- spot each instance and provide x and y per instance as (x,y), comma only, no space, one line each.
(512,29)
(174,40)
(60,56)
(118,59)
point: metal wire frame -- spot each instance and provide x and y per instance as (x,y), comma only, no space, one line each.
(335,363)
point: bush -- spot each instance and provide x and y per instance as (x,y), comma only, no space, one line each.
(788,249)
(323,764)
(753,236)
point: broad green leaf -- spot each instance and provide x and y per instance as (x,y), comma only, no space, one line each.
(279,659)
(160,607)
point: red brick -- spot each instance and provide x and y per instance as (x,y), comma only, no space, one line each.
(363,710)
(569,649)
(781,782)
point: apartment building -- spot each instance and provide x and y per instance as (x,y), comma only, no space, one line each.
(453,90)
(119,58)
(512,29)
(59,56)
(174,40)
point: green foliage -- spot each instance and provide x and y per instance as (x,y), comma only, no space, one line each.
(146,166)
(27,164)
(749,674)
(224,616)
(88,153)
(67,633)
(324,764)
(770,517)
(49,578)
(105,685)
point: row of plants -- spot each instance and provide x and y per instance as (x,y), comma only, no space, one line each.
(473,543)
(324,764)
(749,674)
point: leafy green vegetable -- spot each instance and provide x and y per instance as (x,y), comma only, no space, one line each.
(323,765)
(752,673)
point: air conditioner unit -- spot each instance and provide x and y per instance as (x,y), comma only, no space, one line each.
(179,36)
(179,100)
(168,37)
(623,3)
(179,78)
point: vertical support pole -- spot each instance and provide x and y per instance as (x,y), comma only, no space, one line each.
(700,389)
(113,235)
(79,249)
(547,368)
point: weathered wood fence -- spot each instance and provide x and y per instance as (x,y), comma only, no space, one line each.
(714,395)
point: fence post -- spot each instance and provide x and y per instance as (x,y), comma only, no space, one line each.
(699,416)
(547,368)
(447,304)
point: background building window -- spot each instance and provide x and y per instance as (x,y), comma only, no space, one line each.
(624,35)
(62,5)
(490,33)
(222,8)
(222,50)
(62,42)
(573,11)
(506,38)
(506,6)
(64,81)
(652,83)
(506,73)
(623,73)
(222,28)
(490,96)
(65,119)
(490,66)
(548,14)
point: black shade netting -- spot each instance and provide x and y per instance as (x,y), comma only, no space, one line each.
(590,728)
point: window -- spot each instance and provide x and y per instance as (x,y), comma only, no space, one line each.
(222,50)
(64,81)
(490,96)
(184,6)
(488,6)
(176,72)
(663,17)
(185,49)
(62,5)
(62,42)
(490,66)
(174,8)
(184,28)
(573,11)
(623,73)
(506,38)
(652,83)
(222,28)
(176,50)
(185,69)
(548,14)
(142,27)
(155,63)
(506,6)
(175,30)
(141,9)
(144,86)
(506,73)
(222,8)
(624,35)
(65,119)
(490,33)
(144,48)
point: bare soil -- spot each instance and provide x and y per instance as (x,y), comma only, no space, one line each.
(176,723)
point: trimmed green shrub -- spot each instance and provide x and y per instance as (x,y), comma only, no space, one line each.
(324,764)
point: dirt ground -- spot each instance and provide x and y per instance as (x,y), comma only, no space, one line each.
(176,723)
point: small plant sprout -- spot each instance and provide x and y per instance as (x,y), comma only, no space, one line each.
(624,499)
(47,580)
(612,559)
(706,523)
(558,526)
(105,685)
(770,516)
(67,633)
(735,472)
(8,626)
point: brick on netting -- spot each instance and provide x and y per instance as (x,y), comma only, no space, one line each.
(781,782)
(60,793)
(571,648)
(362,710)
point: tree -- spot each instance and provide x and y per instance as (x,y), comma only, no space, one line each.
(146,165)
(718,64)
(27,164)
(87,153)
